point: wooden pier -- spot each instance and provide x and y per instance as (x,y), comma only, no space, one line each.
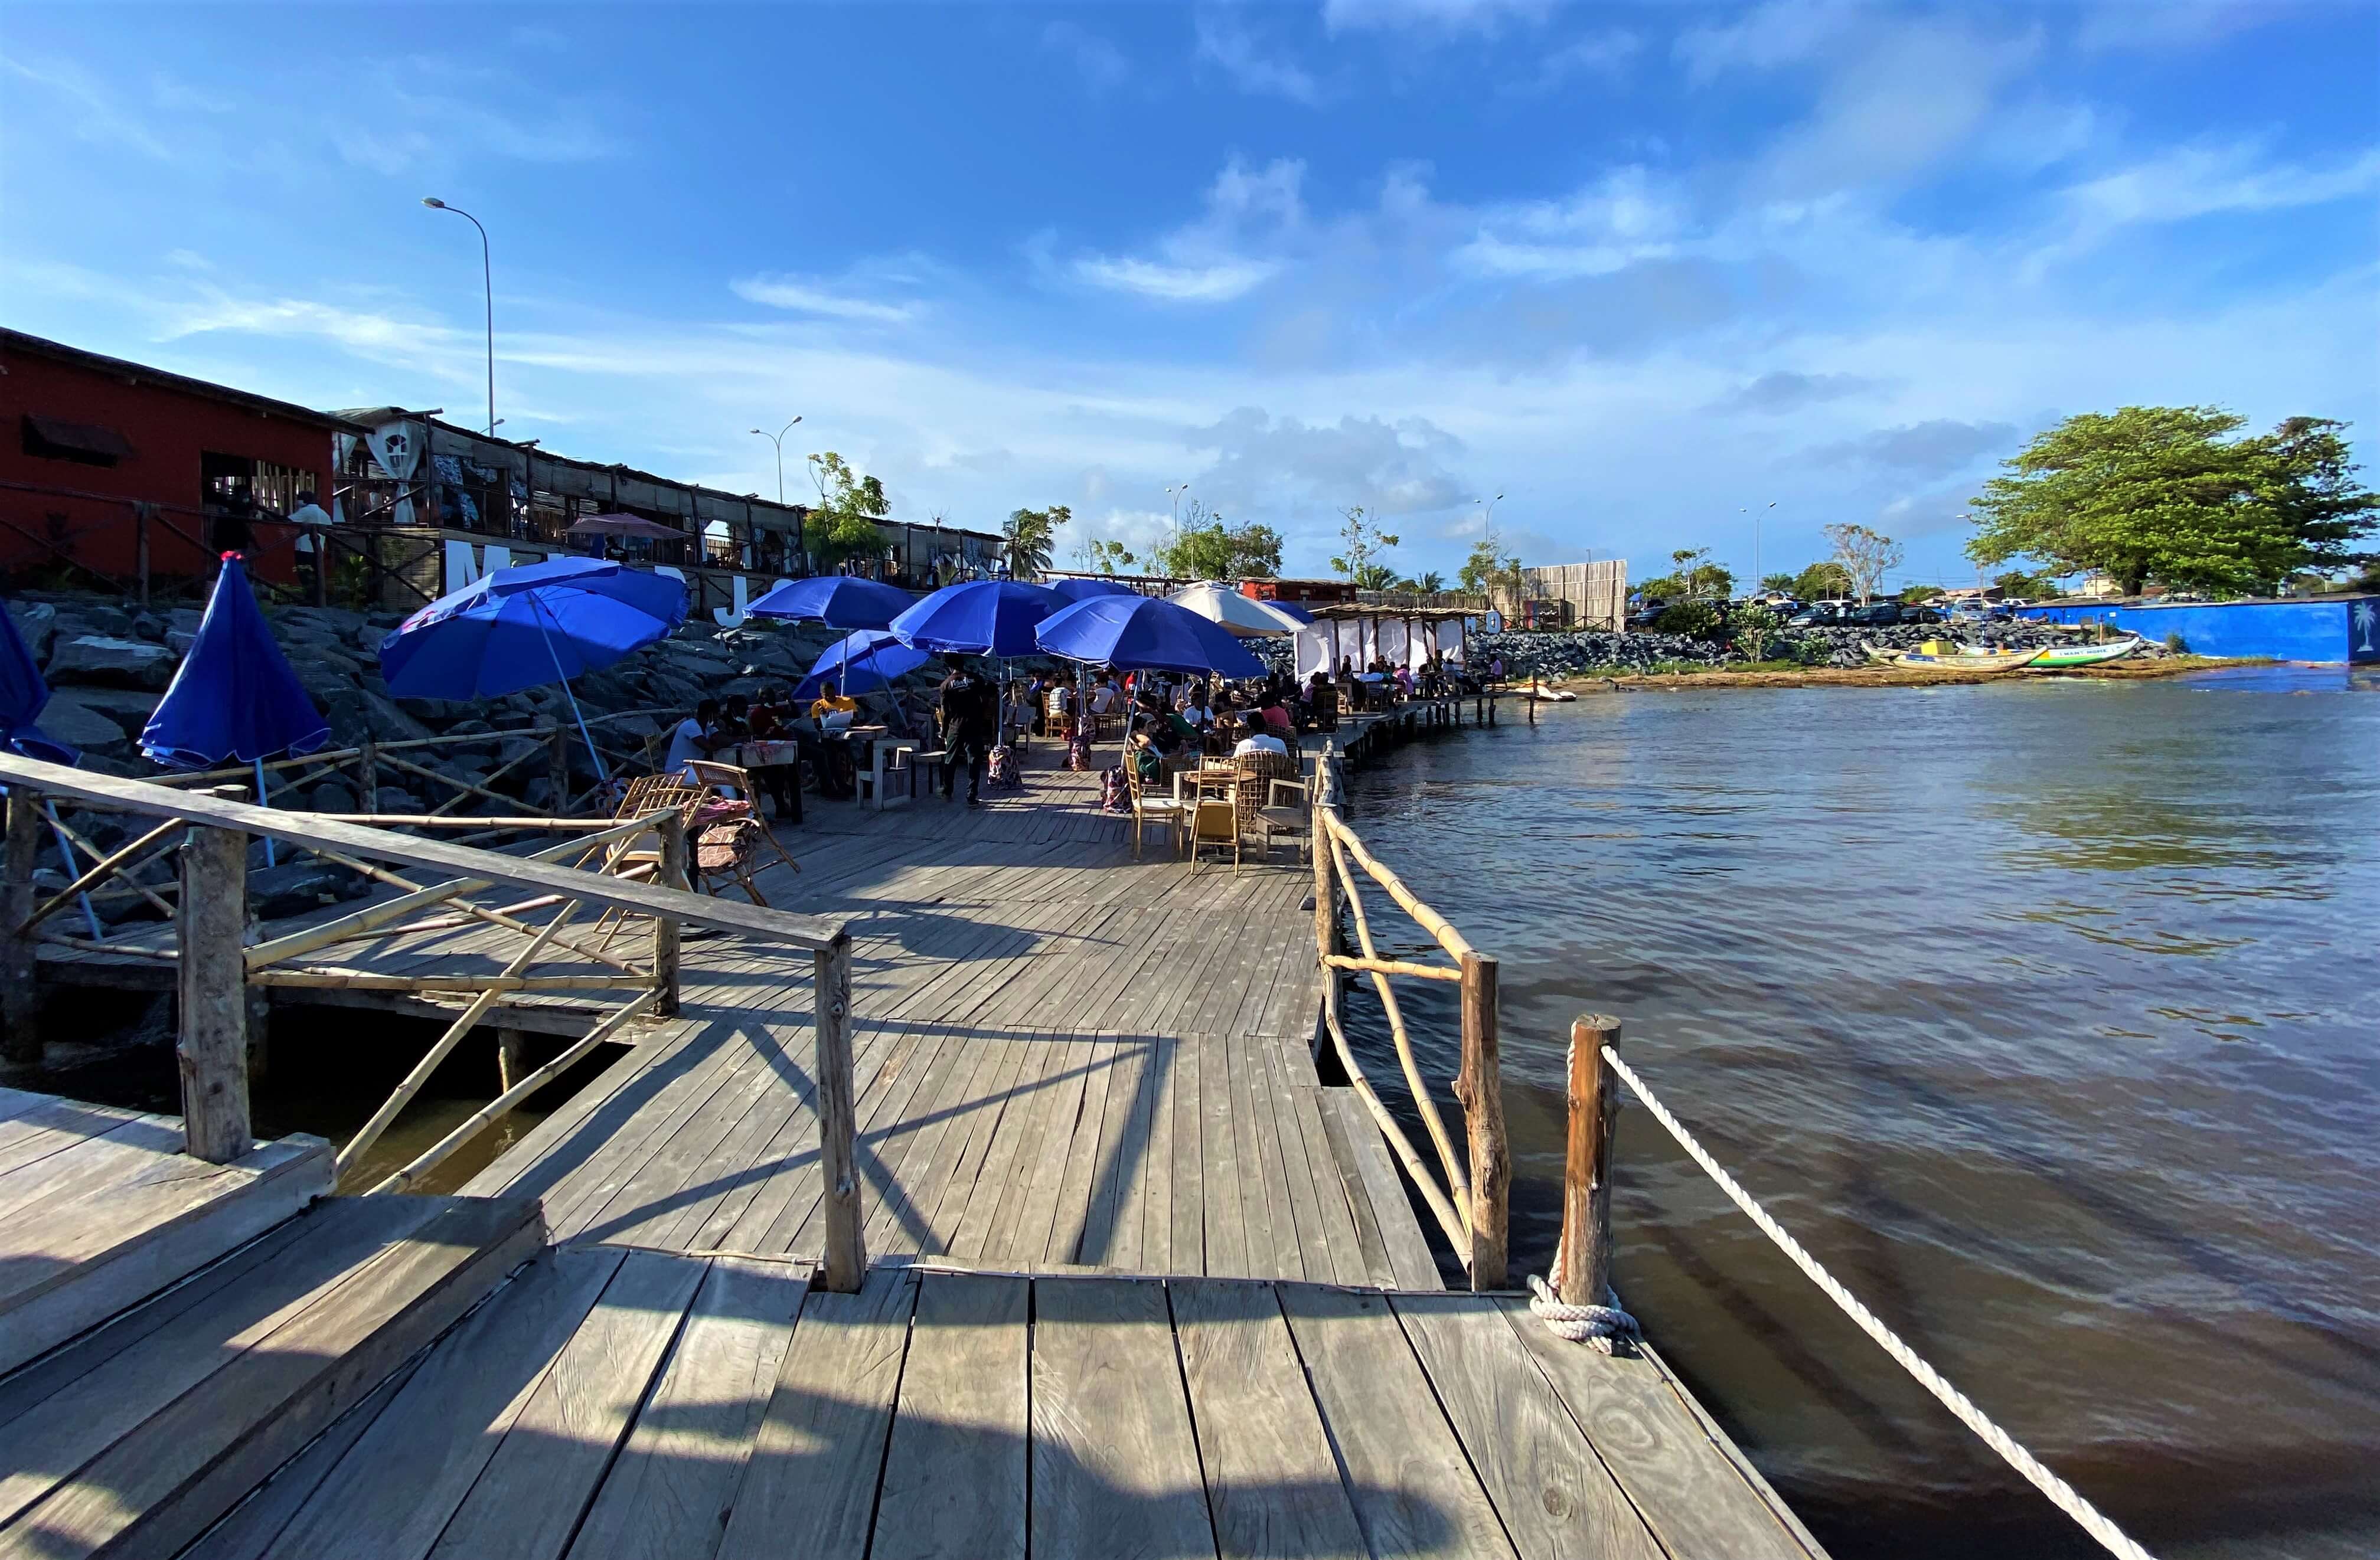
(1137,1280)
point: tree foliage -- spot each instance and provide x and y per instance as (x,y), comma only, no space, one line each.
(1865,556)
(1783,583)
(1206,547)
(844,525)
(1490,567)
(2167,493)
(1104,555)
(1032,534)
(1692,576)
(2016,582)
(1827,580)
(1361,541)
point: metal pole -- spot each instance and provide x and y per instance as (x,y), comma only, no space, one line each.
(488,276)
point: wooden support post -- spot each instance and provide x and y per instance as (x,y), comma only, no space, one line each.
(670,873)
(140,550)
(844,1262)
(20,1035)
(368,776)
(1480,1087)
(511,1052)
(209,924)
(1584,1276)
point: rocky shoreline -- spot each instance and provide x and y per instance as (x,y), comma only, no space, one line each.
(1596,653)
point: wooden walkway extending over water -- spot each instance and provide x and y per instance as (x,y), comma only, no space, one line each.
(1141,1284)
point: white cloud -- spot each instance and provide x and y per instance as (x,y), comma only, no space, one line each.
(1226,45)
(1209,262)
(1900,104)
(1445,15)
(99,114)
(1606,54)
(2171,24)
(2191,181)
(1103,65)
(1220,283)
(1610,225)
(1779,33)
(806,296)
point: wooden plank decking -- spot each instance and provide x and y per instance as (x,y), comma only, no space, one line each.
(610,1403)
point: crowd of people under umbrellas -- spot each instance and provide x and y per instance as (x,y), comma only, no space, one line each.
(1160,718)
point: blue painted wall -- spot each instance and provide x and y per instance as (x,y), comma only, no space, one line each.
(2335,628)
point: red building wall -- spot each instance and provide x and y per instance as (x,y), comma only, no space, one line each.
(169,427)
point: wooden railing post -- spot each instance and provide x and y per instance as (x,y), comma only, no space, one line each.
(557,765)
(20,1035)
(670,873)
(367,775)
(209,924)
(1584,1276)
(846,1260)
(1480,1087)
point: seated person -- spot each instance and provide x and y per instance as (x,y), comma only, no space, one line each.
(834,710)
(1147,762)
(1276,716)
(694,738)
(1259,742)
(1104,695)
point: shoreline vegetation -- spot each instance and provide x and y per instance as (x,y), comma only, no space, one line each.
(1788,674)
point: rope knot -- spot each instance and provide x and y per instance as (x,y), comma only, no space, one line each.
(1601,1327)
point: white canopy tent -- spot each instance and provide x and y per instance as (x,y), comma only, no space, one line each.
(1323,644)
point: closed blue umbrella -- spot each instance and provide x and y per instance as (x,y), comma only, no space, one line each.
(23,694)
(837,600)
(1079,590)
(979,618)
(861,663)
(235,695)
(1141,632)
(522,628)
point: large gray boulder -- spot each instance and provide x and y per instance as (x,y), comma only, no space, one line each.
(111,662)
(67,720)
(37,624)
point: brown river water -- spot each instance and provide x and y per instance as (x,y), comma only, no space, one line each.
(2044,1014)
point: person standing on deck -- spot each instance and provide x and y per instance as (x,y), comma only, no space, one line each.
(970,724)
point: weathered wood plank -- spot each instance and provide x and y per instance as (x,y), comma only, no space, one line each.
(809,1487)
(1554,1492)
(955,1473)
(1271,1480)
(1113,1455)
(1414,1489)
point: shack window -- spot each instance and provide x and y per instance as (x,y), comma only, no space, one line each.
(82,442)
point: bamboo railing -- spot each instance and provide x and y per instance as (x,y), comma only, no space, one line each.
(1472,1203)
(217,969)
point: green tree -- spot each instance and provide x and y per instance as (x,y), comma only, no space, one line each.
(2167,493)
(1104,555)
(1829,581)
(844,525)
(1490,567)
(2016,582)
(1912,593)
(1691,576)
(1363,541)
(1865,556)
(1032,533)
(1429,584)
(1784,583)
(1208,549)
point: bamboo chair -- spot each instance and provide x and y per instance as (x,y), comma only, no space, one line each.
(1214,821)
(1295,818)
(736,781)
(1257,773)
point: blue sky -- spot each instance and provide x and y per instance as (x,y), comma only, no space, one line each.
(1641,269)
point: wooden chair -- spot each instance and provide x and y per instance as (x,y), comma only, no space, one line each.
(1293,817)
(1214,821)
(1147,809)
(735,782)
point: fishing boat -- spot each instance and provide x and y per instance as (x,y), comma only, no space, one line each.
(1964,658)
(2061,657)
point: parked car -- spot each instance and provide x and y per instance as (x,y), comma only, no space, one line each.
(1921,613)
(1972,611)
(1876,614)
(1646,611)
(1818,614)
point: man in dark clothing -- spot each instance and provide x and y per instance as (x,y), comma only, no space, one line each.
(970,725)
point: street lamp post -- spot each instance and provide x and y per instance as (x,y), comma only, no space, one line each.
(778,439)
(487,275)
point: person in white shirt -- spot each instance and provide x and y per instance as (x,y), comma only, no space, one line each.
(1260,742)
(309,512)
(692,738)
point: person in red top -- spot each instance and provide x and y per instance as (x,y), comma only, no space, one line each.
(1275,714)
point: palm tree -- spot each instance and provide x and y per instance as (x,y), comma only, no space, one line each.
(1031,533)
(1431,584)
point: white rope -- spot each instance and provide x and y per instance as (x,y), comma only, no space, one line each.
(2061,1495)
(1597,1326)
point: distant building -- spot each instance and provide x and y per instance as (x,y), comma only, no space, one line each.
(1302,592)
(111,470)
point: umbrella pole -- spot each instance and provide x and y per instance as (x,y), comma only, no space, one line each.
(261,802)
(602,773)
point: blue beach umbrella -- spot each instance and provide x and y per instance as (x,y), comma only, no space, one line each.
(23,694)
(1143,634)
(1074,590)
(861,663)
(235,695)
(524,627)
(836,600)
(979,618)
